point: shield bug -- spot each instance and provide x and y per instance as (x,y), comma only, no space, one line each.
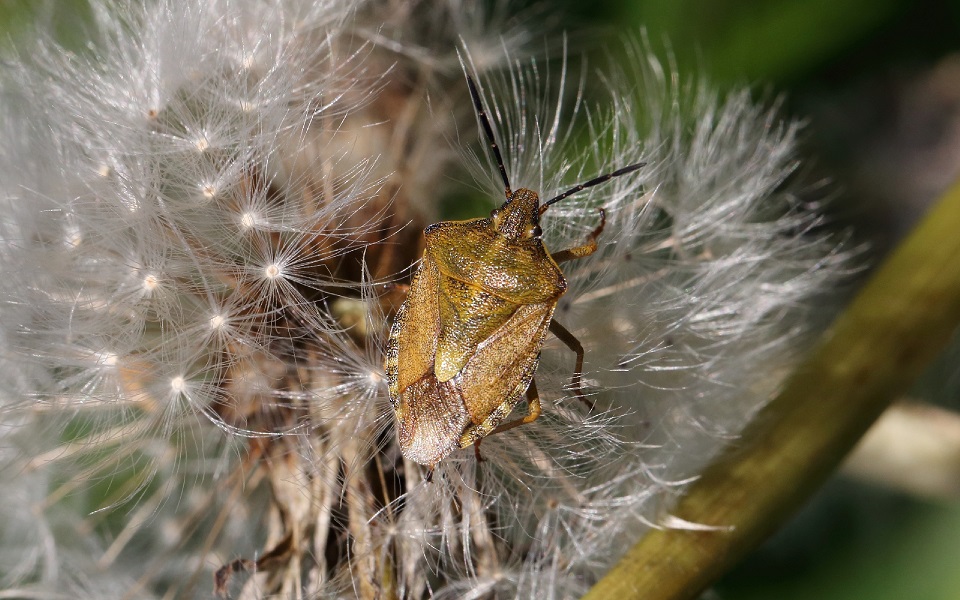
(465,343)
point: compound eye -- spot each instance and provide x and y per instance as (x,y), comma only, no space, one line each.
(536,232)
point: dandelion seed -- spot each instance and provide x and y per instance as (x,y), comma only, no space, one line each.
(248,60)
(249,220)
(217,321)
(178,384)
(73,237)
(107,359)
(272,271)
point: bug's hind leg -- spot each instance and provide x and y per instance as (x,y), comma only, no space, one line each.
(533,404)
(571,341)
(576,382)
(586,249)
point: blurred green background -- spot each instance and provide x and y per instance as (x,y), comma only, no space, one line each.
(878,85)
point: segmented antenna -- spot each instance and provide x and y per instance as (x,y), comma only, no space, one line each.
(489,131)
(591,183)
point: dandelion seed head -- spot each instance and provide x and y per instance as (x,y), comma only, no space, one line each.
(194,309)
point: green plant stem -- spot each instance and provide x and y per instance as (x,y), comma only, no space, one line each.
(898,323)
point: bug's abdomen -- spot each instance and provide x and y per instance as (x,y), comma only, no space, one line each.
(431,418)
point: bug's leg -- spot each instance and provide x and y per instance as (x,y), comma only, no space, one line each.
(399,289)
(576,382)
(586,249)
(476,451)
(533,404)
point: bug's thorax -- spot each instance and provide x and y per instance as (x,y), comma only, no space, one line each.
(518,219)
(501,255)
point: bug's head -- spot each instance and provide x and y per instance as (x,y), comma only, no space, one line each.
(518,218)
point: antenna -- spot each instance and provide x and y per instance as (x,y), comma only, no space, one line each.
(591,183)
(489,131)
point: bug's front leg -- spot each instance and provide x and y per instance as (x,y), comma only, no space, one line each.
(586,249)
(571,341)
(396,290)
(533,404)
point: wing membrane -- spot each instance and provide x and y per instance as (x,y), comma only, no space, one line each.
(503,365)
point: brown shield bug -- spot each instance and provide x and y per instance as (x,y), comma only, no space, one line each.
(465,343)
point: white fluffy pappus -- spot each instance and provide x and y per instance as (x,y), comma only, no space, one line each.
(198,214)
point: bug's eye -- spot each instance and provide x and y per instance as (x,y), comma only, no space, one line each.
(536,231)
